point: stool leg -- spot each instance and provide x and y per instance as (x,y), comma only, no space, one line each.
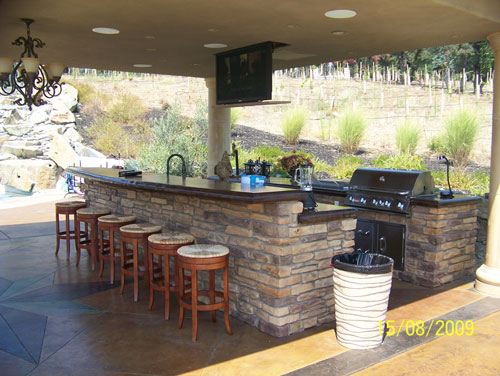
(74,228)
(122,263)
(211,292)
(194,303)
(136,269)
(101,250)
(181,296)
(93,245)
(58,239)
(151,276)
(112,255)
(226,299)
(68,240)
(146,263)
(166,267)
(77,238)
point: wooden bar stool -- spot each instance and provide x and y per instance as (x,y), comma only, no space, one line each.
(89,242)
(203,257)
(107,249)
(163,246)
(67,209)
(135,234)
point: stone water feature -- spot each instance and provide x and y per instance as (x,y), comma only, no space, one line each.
(36,146)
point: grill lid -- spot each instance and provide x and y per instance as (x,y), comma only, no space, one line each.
(402,182)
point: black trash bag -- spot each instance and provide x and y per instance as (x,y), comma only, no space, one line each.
(364,263)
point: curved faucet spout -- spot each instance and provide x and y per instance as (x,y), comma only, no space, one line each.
(184,170)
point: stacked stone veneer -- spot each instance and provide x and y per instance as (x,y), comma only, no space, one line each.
(440,241)
(280,274)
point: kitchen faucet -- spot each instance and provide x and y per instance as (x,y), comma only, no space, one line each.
(184,172)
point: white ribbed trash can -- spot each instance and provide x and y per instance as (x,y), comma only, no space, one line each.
(361,298)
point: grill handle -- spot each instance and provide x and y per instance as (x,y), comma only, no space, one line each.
(382,244)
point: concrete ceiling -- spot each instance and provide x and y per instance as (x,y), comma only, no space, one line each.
(170,34)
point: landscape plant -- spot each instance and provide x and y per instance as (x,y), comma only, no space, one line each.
(176,134)
(345,166)
(400,162)
(112,138)
(407,137)
(459,136)
(474,183)
(293,124)
(350,129)
(126,109)
(236,114)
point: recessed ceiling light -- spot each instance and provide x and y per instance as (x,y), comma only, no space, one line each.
(338,32)
(151,49)
(340,13)
(105,30)
(215,45)
(149,37)
(291,26)
(143,65)
(196,65)
(213,30)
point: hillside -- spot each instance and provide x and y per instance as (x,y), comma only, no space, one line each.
(385,106)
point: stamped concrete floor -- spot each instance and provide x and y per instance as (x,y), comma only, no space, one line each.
(59,319)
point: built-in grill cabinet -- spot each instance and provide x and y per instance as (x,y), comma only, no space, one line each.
(381,237)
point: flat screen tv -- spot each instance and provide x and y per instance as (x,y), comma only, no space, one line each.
(244,74)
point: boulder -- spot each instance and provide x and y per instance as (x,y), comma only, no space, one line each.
(68,97)
(72,134)
(61,114)
(62,152)
(17,129)
(40,114)
(22,149)
(16,116)
(28,174)
(85,151)
(4,157)
(4,137)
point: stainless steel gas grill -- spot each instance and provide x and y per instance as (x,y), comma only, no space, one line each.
(391,192)
(387,190)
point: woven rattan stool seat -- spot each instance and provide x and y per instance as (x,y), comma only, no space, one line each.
(203,250)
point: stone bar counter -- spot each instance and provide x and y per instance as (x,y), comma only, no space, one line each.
(280,276)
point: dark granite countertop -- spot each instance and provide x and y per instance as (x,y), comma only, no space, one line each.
(191,186)
(326,212)
(436,201)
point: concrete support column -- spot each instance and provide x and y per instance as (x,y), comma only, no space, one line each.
(219,128)
(488,275)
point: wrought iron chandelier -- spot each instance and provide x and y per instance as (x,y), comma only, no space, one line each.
(27,76)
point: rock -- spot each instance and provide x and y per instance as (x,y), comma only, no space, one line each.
(68,97)
(17,129)
(85,151)
(4,157)
(16,116)
(22,149)
(28,174)
(4,137)
(61,115)
(72,134)
(40,114)
(62,152)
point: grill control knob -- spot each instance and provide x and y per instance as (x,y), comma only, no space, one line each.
(381,203)
(375,202)
(363,200)
(387,203)
(400,205)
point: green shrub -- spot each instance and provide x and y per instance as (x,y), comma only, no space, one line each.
(345,166)
(350,129)
(459,137)
(407,136)
(126,108)
(476,183)
(436,144)
(112,138)
(174,133)
(85,90)
(268,153)
(236,114)
(400,162)
(292,125)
